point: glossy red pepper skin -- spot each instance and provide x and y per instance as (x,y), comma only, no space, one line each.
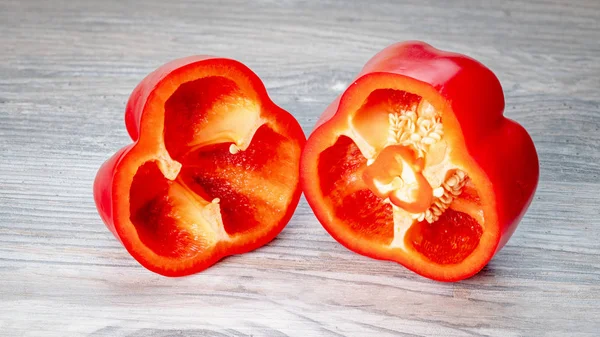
(471,95)
(145,119)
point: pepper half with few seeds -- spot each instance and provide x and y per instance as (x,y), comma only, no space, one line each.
(212,171)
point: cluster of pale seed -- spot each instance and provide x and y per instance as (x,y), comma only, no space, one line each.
(420,132)
(453,187)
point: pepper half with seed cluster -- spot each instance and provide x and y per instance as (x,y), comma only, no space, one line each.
(415,163)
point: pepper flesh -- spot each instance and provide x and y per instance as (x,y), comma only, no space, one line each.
(212,172)
(415,163)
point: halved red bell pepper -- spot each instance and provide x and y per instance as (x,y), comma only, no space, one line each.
(415,163)
(212,171)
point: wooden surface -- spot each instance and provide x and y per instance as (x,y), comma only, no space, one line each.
(67,68)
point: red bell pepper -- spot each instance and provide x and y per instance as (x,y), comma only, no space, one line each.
(212,171)
(415,163)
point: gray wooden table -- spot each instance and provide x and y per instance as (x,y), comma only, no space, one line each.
(67,68)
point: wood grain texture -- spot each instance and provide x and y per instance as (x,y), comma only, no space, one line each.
(67,68)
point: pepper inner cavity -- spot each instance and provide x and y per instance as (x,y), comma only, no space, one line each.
(227,172)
